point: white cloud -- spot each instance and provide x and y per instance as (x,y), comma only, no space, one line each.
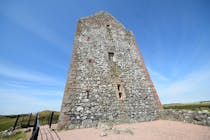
(31,100)
(21,74)
(189,88)
(29,23)
(156,75)
(188,83)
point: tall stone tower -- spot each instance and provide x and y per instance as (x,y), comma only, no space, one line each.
(107,80)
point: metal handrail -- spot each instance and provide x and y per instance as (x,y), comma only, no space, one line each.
(50,119)
(35,132)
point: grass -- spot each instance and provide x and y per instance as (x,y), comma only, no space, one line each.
(190,106)
(18,135)
(6,122)
(44,117)
(9,120)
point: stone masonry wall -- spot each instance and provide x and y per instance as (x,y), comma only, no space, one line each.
(108,80)
(195,117)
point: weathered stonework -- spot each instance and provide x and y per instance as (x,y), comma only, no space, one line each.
(108,80)
(195,117)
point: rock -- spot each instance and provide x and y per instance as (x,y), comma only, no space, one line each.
(85,100)
(84,117)
(79,109)
(189,112)
(187,117)
(103,134)
(104,126)
(127,130)
(205,111)
(203,122)
(116,131)
(199,112)
(197,118)
(208,121)
(88,111)
(122,130)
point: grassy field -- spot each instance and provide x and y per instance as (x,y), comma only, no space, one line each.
(8,121)
(19,135)
(190,106)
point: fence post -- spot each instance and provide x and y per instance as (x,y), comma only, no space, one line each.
(36,134)
(35,123)
(16,122)
(50,119)
(36,128)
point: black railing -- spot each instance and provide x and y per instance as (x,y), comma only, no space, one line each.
(15,125)
(20,119)
(50,119)
(30,120)
(36,126)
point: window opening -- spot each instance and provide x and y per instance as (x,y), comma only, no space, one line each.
(111,55)
(120,95)
(90,60)
(120,91)
(118,87)
(88,93)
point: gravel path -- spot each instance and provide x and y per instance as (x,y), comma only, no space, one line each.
(154,130)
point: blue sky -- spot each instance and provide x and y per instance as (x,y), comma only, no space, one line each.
(36,40)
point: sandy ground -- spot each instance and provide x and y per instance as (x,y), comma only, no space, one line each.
(154,130)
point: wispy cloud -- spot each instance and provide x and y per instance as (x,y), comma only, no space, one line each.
(25,75)
(189,88)
(188,83)
(15,103)
(157,75)
(28,22)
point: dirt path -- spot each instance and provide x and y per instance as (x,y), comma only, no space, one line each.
(154,130)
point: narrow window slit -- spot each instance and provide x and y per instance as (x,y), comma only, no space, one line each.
(118,87)
(120,91)
(120,95)
(90,60)
(111,56)
(87,93)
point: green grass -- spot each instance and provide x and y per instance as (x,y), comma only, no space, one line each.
(8,121)
(18,135)
(44,117)
(190,106)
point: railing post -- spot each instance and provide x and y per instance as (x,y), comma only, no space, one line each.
(35,123)
(16,122)
(50,119)
(36,128)
(36,134)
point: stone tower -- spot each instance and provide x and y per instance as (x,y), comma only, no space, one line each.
(107,80)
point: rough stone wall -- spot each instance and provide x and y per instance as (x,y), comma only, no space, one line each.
(108,80)
(195,117)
